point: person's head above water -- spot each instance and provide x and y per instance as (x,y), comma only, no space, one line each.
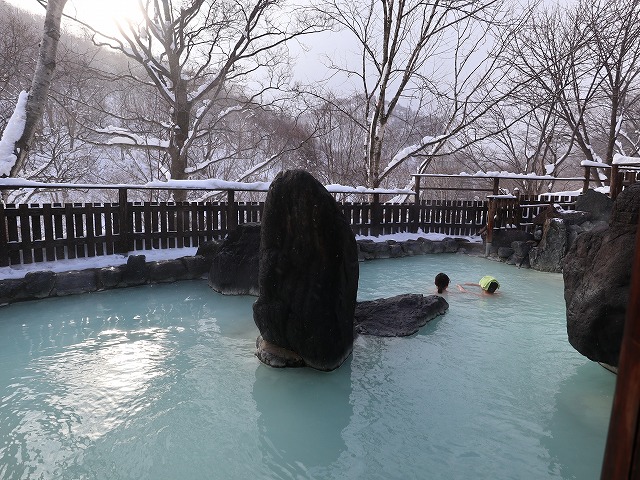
(442,282)
(489,284)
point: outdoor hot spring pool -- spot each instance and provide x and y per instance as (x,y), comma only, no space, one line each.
(161,382)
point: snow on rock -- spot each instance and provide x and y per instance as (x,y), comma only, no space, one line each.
(11,134)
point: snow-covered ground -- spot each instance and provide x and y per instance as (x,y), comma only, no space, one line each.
(19,271)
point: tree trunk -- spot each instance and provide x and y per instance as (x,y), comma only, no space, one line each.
(41,80)
(181,115)
(376,140)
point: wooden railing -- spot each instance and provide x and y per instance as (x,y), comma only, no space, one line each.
(45,232)
(37,233)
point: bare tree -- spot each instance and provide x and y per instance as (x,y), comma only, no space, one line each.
(19,38)
(405,46)
(42,76)
(584,59)
(196,55)
(616,43)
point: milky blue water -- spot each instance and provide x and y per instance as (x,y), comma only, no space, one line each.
(161,382)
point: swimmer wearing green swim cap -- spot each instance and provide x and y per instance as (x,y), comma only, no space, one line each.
(487,283)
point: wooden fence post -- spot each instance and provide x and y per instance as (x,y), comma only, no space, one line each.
(491,213)
(232,211)
(587,176)
(4,238)
(496,185)
(614,182)
(125,243)
(517,214)
(376,215)
(415,208)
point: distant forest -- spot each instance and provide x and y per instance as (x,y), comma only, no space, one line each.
(205,89)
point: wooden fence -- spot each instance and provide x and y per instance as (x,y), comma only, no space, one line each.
(47,232)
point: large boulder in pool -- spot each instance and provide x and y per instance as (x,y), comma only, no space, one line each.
(234,266)
(397,316)
(308,278)
(597,278)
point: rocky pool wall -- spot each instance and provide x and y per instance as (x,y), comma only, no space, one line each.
(137,271)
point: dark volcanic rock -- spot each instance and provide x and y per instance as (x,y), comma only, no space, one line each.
(9,289)
(506,237)
(521,249)
(37,284)
(411,247)
(548,255)
(308,273)
(450,245)
(395,250)
(275,356)
(626,207)
(136,271)
(167,271)
(597,204)
(234,269)
(196,266)
(397,316)
(597,278)
(75,282)
(109,277)
(208,249)
(426,245)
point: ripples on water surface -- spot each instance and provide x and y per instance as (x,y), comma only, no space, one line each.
(160,382)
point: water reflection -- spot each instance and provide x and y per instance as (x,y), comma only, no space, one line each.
(302,413)
(581,410)
(83,368)
(68,400)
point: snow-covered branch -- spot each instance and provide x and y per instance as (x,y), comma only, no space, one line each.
(12,133)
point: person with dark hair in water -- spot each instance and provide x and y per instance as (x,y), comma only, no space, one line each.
(442,282)
(488,284)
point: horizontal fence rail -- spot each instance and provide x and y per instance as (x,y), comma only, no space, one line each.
(33,233)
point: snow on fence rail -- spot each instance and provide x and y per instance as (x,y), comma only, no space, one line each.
(44,232)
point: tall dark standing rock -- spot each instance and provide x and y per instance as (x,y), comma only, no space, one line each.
(308,278)
(597,279)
